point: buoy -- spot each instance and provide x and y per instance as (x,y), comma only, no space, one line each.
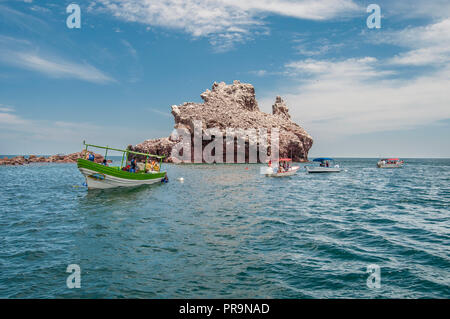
(181,179)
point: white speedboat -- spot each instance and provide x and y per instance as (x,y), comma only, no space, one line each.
(326,166)
(280,168)
(390,163)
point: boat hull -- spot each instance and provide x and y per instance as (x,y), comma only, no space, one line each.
(319,170)
(290,172)
(389,165)
(103,177)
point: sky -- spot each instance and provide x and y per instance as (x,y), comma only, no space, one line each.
(358,91)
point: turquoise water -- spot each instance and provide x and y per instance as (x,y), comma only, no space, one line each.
(227,231)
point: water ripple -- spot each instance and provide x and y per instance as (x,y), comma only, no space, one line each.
(227,231)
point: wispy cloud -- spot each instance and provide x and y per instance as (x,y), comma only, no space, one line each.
(405,9)
(22,21)
(60,68)
(6,118)
(6,108)
(166,114)
(22,135)
(428,45)
(224,22)
(20,53)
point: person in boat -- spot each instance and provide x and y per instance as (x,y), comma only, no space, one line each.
(91,157)
(133,166)
(327,164)
(105,162)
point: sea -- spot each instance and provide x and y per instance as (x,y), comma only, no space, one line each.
(226,231)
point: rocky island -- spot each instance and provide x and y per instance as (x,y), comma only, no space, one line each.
(224,107)
(233,106)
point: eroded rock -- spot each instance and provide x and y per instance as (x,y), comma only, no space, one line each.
(233,106)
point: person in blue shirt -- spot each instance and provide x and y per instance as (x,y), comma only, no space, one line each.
(133,166)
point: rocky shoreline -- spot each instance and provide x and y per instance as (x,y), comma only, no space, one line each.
(33,159)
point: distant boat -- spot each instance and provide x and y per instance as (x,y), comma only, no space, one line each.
(390,163)
(103,176)
(326,166)
(281,168)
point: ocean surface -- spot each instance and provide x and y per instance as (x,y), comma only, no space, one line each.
(227,231)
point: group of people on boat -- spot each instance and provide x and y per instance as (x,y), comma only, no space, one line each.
(325,164)
(132,167)
(283,166)
(135,167)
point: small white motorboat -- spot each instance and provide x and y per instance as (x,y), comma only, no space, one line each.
(281,168)
(390,163)
(326,166)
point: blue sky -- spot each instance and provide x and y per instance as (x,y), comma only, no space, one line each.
(358,91)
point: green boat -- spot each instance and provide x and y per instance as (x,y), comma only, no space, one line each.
(103,176)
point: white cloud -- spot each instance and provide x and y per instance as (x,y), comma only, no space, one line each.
(58,68)
(6,108)
(350,69)
(224,22)
(20,53)
(428,45)
(8,118)
(353,96)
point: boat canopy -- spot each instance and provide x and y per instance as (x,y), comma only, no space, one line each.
(124,151)
(390,159)
(322,159)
